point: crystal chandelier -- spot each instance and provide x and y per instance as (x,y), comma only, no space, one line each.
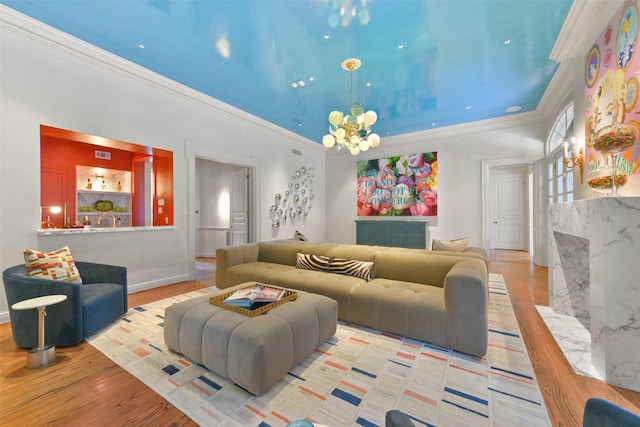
(352,131)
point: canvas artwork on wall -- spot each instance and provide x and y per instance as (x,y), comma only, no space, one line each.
(398,186)
(611,87)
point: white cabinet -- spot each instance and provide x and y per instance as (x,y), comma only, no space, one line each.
(103,195)
(94,204)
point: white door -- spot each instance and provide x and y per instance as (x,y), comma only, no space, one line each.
(239,207)
(508,213)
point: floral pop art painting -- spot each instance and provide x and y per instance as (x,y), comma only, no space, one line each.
(398,186)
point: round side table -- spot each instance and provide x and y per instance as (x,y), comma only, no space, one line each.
(42,355)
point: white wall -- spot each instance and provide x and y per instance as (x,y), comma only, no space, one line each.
(461,151)
(51,78)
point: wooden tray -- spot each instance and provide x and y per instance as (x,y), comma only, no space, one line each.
(219,301)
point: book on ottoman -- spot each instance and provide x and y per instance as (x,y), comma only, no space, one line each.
(254,296)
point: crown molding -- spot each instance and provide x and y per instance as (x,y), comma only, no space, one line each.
(529,120)
(558,92)
(37,32)
(583,14)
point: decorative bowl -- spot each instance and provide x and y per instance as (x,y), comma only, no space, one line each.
(104,205)
(615,138)
(602,179)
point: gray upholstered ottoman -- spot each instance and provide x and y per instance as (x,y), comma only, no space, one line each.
(253,352)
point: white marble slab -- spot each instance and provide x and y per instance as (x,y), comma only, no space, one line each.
(594,275)
(573,338)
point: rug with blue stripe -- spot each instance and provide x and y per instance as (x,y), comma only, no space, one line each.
(351,380)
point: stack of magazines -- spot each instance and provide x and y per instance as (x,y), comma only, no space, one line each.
(254,296)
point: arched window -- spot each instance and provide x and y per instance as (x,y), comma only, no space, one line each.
(560,178)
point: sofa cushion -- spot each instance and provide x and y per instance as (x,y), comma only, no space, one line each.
(413,267)
(54,265)
(254,272)
(338,287)
(312,262)
(357,252)
(402,308)
(280,252)
(351,267)
(457,245)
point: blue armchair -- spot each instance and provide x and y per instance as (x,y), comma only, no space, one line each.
(89,308)
(602,413)
(397,418)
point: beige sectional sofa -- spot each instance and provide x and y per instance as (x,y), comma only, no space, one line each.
(435,296)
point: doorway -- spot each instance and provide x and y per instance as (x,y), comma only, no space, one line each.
(222,206)
(508,207)
(507,204)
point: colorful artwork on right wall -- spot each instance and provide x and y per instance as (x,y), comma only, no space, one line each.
(611,91)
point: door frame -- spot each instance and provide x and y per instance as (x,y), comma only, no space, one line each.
(253,226)
(487,199)
(246,176)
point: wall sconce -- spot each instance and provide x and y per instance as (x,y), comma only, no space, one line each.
(47,211)
(574,161)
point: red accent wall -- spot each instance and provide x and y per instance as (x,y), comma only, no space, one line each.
(163,173)
(61,150)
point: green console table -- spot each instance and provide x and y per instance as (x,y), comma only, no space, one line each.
(412,234)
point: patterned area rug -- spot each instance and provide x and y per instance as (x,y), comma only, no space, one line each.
(352,379)
(205,272)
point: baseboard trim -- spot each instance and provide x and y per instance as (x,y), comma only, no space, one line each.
(138,287)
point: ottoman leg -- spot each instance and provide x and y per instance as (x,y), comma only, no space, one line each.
(260,353)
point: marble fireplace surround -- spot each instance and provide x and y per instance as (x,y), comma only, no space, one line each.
(594,276)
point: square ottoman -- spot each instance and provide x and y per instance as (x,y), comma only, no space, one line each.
(253,352)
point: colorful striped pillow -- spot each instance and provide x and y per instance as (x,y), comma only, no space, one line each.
(312,262)
(350,267)
(55,265)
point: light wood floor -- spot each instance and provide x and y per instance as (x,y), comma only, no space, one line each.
(85,388)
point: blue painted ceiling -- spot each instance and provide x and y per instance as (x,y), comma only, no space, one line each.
(425,64)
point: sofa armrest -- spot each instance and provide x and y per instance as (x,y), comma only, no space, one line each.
(466,300)
(91,272)
(229,256)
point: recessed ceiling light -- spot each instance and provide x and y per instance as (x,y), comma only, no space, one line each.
(301,83)
(401,46)
(507,41)
(433,124)
(294,85)
(326,36)
(140,45)
(468,107)
(311,79)
(513,109)
(223,46)
(368,84)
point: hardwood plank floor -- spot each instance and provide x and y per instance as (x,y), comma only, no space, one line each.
(564,392)
(85,388)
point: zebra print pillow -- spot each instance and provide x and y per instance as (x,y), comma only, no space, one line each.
(350,267)
(312,262)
